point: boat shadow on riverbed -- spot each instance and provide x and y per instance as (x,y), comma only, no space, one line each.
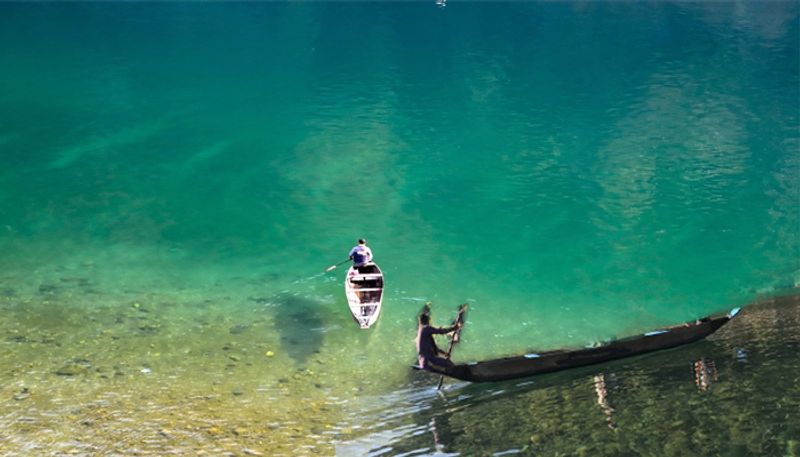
(300,322)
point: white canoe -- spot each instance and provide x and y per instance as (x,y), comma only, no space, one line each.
(363,287)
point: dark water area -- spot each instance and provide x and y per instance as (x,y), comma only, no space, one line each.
(733,394)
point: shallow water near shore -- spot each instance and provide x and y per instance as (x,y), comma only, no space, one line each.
(175,178)
(732,394)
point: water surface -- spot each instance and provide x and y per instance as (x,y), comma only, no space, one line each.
(174,179)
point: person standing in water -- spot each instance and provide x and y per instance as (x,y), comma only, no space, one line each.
(361,254)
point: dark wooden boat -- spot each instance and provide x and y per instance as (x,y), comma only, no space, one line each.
(535,363)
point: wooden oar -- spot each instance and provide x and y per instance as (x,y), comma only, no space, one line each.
(332,267)
(459,322)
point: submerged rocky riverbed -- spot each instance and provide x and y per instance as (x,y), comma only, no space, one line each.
(84,373)
(87,373)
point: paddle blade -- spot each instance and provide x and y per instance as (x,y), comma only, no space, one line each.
(334,266)
(455,338)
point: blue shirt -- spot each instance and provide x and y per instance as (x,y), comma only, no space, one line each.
(361,255)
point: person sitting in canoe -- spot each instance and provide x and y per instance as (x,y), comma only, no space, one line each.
(428,353)
(361,254)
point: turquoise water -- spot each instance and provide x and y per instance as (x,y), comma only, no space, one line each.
(179,175)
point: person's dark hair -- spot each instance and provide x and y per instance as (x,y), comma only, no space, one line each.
(362,241)
(424,319)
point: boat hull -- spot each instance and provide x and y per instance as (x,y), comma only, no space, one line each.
(363,288)
(532,364)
